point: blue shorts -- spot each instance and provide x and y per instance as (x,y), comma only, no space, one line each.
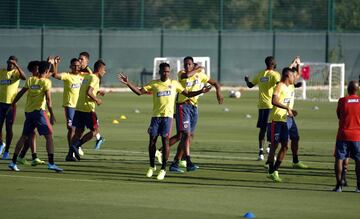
(263,118)
(346,149)
(186,117)
(293,130)
(39,120)
(278,133)
(85,119)
(69,115)
(160,126)
(6,114)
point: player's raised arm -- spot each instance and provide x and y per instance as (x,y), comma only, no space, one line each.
(55,62)
(125,80)
(192,72)
(195,93)
(217,86)
(248,83)
(21,72)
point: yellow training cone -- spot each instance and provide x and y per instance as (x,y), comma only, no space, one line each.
(115,121)
(123,117)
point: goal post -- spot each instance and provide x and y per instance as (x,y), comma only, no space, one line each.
(322,81)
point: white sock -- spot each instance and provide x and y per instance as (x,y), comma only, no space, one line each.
(98,136)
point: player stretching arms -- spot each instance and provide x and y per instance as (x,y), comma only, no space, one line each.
(266,80)
(164,93)
(278,117)
(348,135)
(85,115)
(72,83)
(85,69)
(39,95)
(9,83)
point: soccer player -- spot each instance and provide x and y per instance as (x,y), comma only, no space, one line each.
(85,69)
(72,83)
(266,80)
(279,131)
(32,67)
(85,115)
(191,78)
(39,95)
(348,135)
(292,127)
(9,83)
(164,93)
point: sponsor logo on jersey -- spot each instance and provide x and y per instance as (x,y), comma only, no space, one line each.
(75,85)
(287,100)
(264,79)
(5,82)
(192,83)
(353,100)
(35,87)
(163,93)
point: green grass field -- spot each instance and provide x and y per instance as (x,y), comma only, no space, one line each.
(111,183)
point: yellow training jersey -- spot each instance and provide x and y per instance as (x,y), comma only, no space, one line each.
(36,99)
(164,94)
(9,84)
(72,84)
(266,80)
(85,103)
(192,83)
(280,114)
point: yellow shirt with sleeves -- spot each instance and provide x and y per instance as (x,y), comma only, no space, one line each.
(9,84)
(193,83)
(266,80)
(36,98)
(279,114)
(164,94)
(85,103)
(292,90)
(72,84)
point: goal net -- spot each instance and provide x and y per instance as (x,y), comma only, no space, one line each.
(176,65)
(321,81)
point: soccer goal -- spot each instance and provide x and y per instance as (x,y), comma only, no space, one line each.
(322,81)
(176,65)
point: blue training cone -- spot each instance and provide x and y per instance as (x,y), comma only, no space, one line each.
(249,215)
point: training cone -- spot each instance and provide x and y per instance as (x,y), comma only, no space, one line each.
(249,215)
(115,121)
(123,117)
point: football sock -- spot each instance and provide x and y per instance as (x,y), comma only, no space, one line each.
(152,159)
(188,161)
(98,136)
(23,152)
(34,156)
(295,158)
(277,165)
(51,159)
(261,151)
(14,158)
(271,167)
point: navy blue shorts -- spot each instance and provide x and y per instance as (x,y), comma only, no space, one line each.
(85,119)
(39,120)
(7,113)
(346,149)
(160,126)
(186,117)
(293,130)
(69,115)
(278,133)
(263,118)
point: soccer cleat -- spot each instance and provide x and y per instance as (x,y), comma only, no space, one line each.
(337,189)
(182,163)
(158,155)
(260,157)
(191,167)
(70,159)
(6,156)
(175,168)
(13,166)
(37,161)
(75,150)
(22,161)
(150,171)
(299,165)
(99,142)
(55,168)
(81,152)
(161,175)
(2,146)
(274,177)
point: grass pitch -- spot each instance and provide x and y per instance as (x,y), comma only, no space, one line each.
(111,183)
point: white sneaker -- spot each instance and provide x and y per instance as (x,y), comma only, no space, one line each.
(81,152)
(13,167)
(158,156)
(2,146)
(161,175)
(357,190)
(261,157)
(150,172)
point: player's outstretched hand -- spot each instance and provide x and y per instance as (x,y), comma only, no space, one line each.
(206,88)
(220,98)
(123,78)
(57,59)
(101,93)
(246,78)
